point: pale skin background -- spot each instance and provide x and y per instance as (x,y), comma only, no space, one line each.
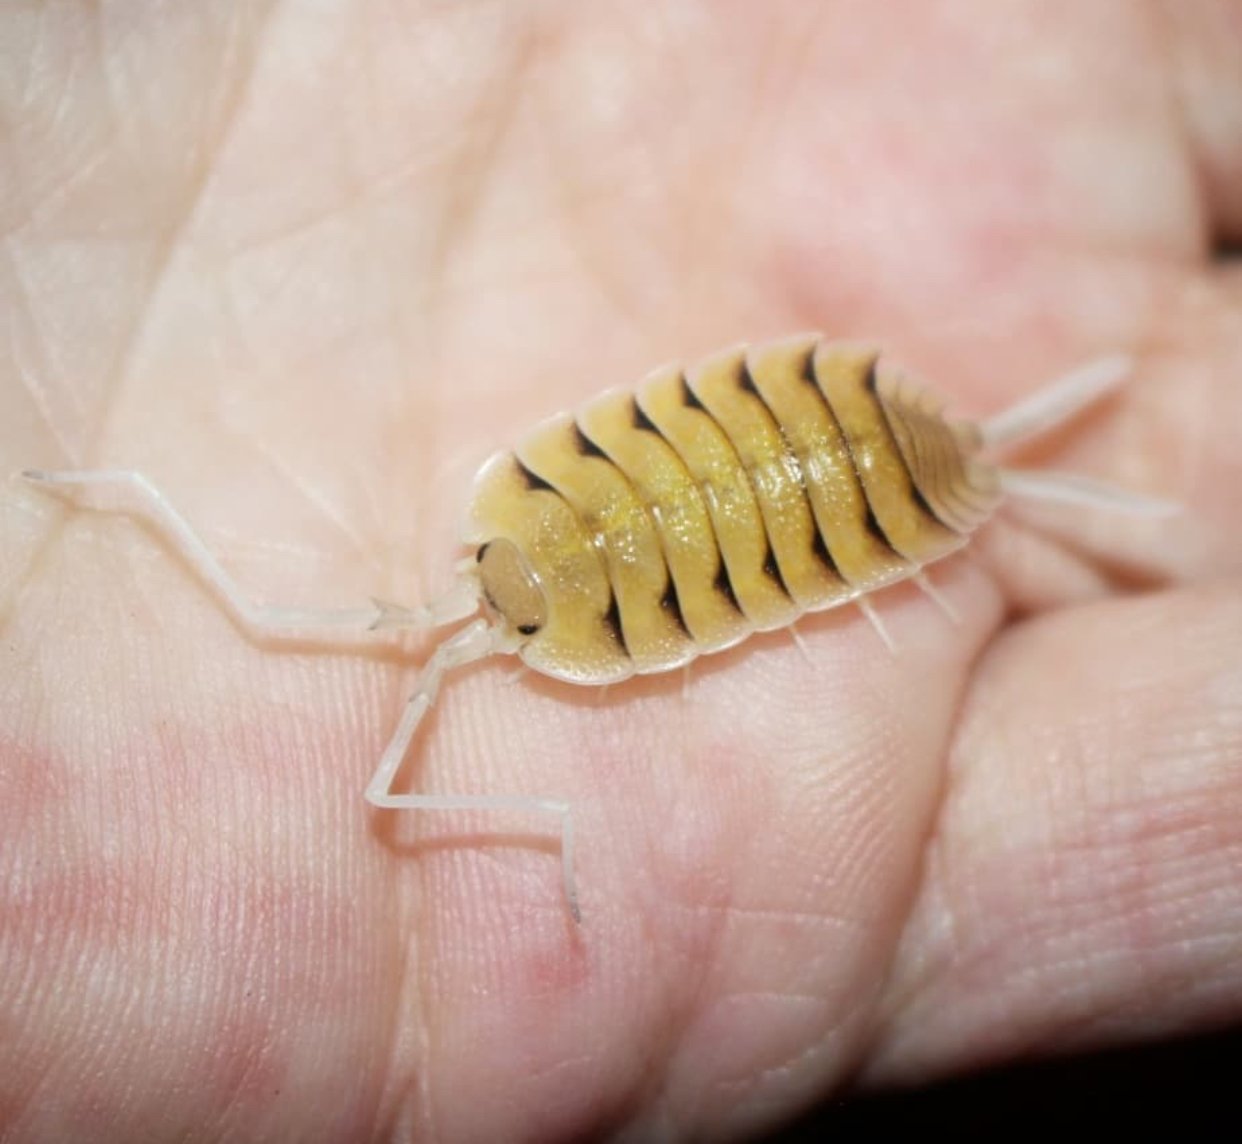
(306,265)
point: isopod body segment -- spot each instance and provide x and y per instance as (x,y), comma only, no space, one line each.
(674,520)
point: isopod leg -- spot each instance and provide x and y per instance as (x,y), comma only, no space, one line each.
(473,642)
(868,609)
(937,597)
(261,619)
(800,643)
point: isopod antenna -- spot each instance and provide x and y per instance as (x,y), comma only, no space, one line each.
(260,619)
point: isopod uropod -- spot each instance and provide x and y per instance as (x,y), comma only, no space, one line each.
(674,520)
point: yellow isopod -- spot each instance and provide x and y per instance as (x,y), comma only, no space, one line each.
(674,520)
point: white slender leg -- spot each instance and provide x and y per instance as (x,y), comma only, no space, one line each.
(260,618)
(517,674)
(937,597)
(473,642)
(868,609)
(796,636)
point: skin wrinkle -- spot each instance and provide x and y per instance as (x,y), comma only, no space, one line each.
(820,1047)
(1077,1023)
(704,203)
(577,189)
(50,200)
(679,1021)
(487,128)
(422,417)
(305,487)
(29,377)
(407,350)
(168,237)
(302,226)
(580,246)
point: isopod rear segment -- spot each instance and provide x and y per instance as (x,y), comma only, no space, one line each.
(675,519)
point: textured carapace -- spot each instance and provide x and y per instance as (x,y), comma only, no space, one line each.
(675,520)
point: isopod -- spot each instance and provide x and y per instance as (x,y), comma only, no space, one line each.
(673,520)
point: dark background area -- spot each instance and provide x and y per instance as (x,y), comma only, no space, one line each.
(1183,1090)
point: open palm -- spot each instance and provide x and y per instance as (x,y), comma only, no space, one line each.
(306,271)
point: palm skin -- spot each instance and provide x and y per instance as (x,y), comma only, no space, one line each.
(307,271)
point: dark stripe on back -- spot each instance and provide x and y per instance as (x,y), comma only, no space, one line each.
(808,366)
(688,396)
(746,383)
(672,605)
(820,548)
(769,564)
(669,602)
(612,620)
(640,420)
(533,480)
(773,570)
(724,585)
(870,522)
(585,445)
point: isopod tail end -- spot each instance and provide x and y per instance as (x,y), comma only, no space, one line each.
(1083,492)
(1057,402)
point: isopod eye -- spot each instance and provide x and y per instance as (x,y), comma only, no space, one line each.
(510,587)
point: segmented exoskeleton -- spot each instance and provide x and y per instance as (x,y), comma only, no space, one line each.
(675,520)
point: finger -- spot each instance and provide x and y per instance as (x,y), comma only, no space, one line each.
(1082,887)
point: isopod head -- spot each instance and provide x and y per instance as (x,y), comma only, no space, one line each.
(509,588)
(541,577)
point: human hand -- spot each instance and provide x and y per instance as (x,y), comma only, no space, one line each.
(306,270)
